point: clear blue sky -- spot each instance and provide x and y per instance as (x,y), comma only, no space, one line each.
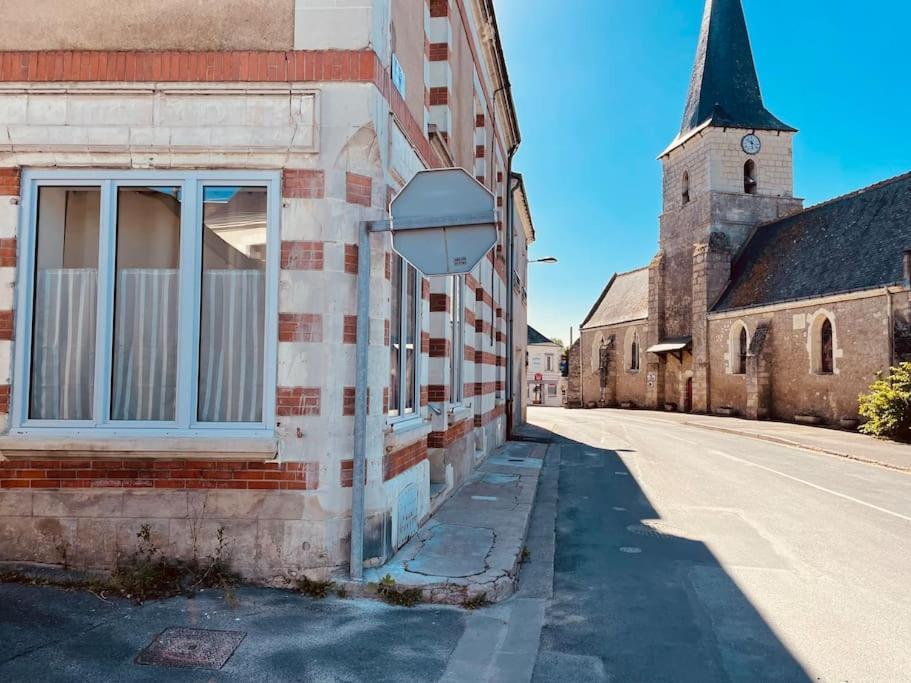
(600,87)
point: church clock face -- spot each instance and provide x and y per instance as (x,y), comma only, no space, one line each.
(751,144)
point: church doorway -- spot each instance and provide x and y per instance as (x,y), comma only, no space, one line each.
(688,396)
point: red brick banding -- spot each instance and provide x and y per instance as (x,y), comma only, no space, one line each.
(439,303)
(302,256)
(425,342)
(298,401)
(349,329)
(447,438)
(438,393)
(303,184)
(489,416)
(481,388)
(180,66)
(404,459)
(351,259)
(438,52)
(358,189)
(439,8)
(9,182)
(7,320)
(300,327)
(8,252)
(479,121)
(61,473)
(439,348)
(439,96)
(4,398)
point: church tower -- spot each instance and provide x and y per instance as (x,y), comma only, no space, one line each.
(729,169)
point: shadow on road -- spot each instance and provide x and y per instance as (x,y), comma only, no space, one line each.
(636,599)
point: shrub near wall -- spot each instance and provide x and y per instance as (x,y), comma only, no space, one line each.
(887,405)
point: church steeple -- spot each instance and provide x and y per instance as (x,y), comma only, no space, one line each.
(724,91)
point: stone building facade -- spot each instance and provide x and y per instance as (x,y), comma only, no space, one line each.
(182,189)
(753,304)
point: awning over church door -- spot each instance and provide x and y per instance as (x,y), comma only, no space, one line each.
(674,346)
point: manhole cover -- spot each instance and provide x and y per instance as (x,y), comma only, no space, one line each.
(654,528)
(191,648)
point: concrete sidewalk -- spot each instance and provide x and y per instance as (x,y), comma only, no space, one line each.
(472,547)
(838,442)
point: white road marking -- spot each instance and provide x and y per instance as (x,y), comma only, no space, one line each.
(631,550)
(814,486)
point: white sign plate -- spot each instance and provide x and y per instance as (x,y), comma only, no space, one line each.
(444,221)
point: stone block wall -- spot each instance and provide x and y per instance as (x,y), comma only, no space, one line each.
(861,326)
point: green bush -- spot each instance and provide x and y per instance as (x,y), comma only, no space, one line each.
(887,406)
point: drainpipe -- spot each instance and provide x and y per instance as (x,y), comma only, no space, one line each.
(359,469)
(511,184)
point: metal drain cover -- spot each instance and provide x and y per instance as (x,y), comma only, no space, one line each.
(654,528)
(191,648)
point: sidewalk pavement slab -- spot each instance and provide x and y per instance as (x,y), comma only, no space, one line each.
(841,443)
(471,548)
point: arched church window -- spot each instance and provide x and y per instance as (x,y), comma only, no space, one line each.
(750,184)
(634,353)
(686,187)
(743,346)
(827,348)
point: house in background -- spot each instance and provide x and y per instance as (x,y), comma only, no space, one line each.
(546,384)
(182,187)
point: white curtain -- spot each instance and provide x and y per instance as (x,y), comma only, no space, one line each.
(63,348)
(145,345)
(231,346)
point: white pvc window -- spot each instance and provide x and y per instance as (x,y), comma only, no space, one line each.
(404,340)
(148,302)
(457,352)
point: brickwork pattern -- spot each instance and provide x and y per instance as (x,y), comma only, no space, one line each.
(70,473)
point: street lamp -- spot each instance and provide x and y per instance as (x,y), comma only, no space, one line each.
(546,259)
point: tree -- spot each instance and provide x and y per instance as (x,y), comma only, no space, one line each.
(559,342)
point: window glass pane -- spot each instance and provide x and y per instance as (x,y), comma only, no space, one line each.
(66,280)
(411,349)
(395,338)
(232,315)
(457,353)
(144,378)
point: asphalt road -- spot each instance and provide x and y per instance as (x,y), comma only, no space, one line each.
(689,555)
(657,552)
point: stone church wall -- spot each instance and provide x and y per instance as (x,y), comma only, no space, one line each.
(862,337)
(622,383)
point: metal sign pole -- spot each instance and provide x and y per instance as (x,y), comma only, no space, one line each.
(359,469)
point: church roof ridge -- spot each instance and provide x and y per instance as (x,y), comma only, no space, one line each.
(850,195)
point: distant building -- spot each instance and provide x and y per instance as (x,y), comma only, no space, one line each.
(753,305)
(546,384)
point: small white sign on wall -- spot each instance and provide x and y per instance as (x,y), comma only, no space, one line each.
(398,75)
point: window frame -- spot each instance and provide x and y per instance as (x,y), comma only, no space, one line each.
(108,181)
(457,346)
(403,418)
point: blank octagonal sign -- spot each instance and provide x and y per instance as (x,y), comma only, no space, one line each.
(444,221)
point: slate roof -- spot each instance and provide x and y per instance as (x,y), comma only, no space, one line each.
(535,337)
(724,90)
(847,244)
(625,299)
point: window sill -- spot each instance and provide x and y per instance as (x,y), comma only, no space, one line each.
(31,445)
(406,432)
(459,413)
